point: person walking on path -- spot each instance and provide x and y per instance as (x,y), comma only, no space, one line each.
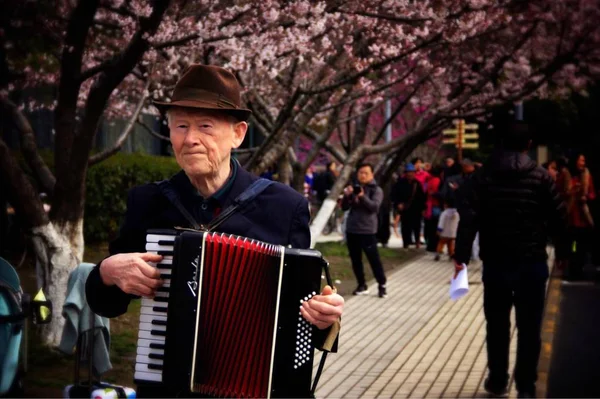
(433,209)
(581,223)
(409,200)
(514,204)
(446,229)
(363,200)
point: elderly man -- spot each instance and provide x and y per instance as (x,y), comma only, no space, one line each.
(206,122)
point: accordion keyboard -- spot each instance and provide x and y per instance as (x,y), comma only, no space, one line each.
(153,314)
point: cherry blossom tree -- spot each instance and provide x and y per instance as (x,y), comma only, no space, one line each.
(318,72)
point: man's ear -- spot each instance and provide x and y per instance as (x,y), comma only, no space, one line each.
(239,132)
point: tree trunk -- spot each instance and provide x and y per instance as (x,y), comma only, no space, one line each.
(330,202)
(58,251)
(285,170)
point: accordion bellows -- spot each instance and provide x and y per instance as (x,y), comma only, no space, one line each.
(229,323)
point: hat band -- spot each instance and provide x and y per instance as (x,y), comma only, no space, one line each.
(193,94)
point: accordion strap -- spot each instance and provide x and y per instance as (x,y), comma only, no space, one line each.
(239,202)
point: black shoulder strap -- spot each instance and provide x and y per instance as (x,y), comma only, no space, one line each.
(168,191)
(239,202)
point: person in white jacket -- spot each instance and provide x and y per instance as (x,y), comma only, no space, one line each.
(447,227)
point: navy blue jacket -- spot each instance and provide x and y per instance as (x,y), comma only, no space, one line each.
(279,215)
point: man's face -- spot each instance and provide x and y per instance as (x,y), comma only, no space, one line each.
(449,162)
(202,139)
(418,165)
(364,175)
(468,169)
(581,162)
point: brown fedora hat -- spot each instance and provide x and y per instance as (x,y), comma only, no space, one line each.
(207,87)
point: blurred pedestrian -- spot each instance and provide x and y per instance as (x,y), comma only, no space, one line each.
(433,208)
(581,223)
(446,229)
(409,200)
(450,187)
(363,200)
(420,173)
(514,205)
(324,181)
(451,168)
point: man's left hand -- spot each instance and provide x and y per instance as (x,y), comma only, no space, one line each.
(362,193)
(323,310)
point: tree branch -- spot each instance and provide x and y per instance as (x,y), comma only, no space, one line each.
(101,156)
(41,172)
(150,131)
(21,194)
(374,67)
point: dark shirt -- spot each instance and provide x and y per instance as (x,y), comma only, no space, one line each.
(410,194)
(279,215)
(515,206)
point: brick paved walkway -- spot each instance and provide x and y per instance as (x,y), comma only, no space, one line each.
(414,343)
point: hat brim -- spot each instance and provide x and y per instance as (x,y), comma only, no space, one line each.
(240,113)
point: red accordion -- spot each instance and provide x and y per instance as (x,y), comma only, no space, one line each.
(227,322)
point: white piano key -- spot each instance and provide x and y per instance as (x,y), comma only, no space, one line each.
(145,343)
(159,237)
(147,310)
(150,327)
(161,294)
(144,367)
(144,376)
(167,260)
(146,351)
(154,246)
(144,359)
(146,318)
(151,303)
(147,335)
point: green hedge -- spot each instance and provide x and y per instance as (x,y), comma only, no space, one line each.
(107,184)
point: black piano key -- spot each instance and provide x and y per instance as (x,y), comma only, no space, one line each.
(165,276)
(153,366)
(165,253)
(160,309)
(164,266)
(154,345)
(161,299)
(156,356)
(158,332)
(163,289)
(166,242)
(159,322)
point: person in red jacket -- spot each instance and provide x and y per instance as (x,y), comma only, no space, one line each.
(433,208)
(581,224)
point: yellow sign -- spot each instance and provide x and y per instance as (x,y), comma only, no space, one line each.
(450,132)
(44,311)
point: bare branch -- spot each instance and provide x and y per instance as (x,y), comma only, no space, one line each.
(40,170)
(21,194)
(151,131)
(336,153)
(101,156)
(405,101)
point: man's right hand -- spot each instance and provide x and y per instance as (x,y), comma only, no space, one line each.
(131,273)
(348,191)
